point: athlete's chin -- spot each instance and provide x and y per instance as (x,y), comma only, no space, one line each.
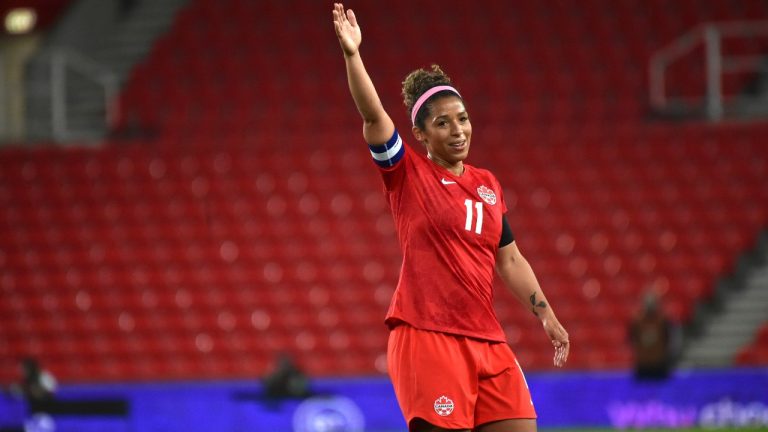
(459,156)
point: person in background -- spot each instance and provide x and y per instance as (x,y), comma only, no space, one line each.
(286,381)
(651,336)
(37,385)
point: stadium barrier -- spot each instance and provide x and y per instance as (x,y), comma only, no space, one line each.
(697,398)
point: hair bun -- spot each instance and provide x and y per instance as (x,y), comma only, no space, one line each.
(419,81)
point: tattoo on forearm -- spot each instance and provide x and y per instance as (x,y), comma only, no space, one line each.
(534,305)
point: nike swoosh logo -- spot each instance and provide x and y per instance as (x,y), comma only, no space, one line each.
(447,182)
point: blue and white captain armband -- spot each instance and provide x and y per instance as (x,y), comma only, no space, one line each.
(389,154)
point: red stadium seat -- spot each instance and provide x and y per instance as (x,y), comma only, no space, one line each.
(250,221)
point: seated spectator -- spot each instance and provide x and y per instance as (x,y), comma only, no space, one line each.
(286,381)
(37,385)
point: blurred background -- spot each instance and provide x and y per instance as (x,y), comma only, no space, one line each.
(193,237)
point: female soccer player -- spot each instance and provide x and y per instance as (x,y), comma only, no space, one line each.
(447,354)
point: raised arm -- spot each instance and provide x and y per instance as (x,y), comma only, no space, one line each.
(377,125)
(518,276)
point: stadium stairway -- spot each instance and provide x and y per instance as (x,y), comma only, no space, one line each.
(741,309)
(124,35)
(135,35)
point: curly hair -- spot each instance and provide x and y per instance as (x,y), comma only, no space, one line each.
(417,83)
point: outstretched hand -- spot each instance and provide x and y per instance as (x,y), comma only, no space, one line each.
(347,29)
(559,338)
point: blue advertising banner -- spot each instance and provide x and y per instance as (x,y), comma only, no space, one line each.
(716,398)
(709,398)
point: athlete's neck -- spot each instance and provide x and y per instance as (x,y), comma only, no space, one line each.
(456,168)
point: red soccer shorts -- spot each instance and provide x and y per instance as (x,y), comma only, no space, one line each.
(455,382)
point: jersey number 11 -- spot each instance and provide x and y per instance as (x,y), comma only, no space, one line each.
(479,222)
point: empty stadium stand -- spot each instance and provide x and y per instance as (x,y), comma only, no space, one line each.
(245,219)
(755,354)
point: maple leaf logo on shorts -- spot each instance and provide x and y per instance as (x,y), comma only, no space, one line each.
(443,406)
(487,194)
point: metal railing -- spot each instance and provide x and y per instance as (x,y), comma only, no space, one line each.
(716,63)
(64,62)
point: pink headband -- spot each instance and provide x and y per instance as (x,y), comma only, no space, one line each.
(427,94)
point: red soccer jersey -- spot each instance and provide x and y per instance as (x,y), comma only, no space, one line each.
(449,228)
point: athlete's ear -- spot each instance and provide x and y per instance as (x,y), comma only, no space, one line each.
(418,134)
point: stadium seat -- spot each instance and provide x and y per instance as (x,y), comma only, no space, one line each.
(250,221)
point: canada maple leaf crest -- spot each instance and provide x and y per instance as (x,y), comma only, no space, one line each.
(487,194)
(443,406)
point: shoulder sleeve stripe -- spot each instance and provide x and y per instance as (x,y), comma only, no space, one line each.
(389,154)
